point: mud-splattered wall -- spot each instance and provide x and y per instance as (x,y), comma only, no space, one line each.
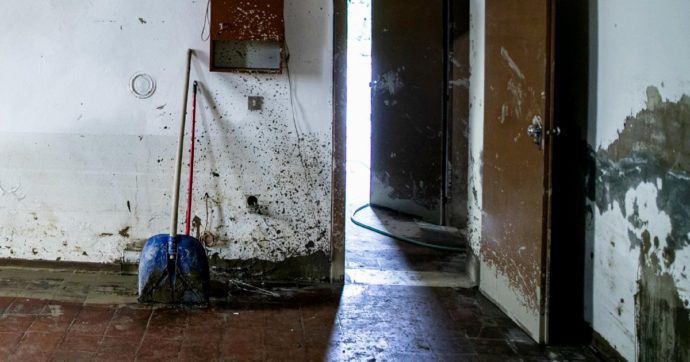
(639,178)
(86,166)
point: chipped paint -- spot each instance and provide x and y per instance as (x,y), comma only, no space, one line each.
(636,187)
(638,192)
(460,83)
(413,200)
(511,63)
(102,180)
(476,124)
(390,82)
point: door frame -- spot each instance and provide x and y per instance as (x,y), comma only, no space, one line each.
(338,217)
(339,143)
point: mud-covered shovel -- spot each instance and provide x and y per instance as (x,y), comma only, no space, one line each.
(173,269)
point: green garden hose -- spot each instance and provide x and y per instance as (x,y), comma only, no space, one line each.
(398,237)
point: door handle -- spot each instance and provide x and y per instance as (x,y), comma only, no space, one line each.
(535,130)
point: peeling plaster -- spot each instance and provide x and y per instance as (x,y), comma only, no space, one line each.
(638,190)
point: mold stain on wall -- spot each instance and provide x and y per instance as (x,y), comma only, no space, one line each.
(644,178)
(663,326)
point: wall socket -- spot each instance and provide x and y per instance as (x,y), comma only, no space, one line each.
(256,103)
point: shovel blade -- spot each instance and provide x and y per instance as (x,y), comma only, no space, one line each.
(183,279)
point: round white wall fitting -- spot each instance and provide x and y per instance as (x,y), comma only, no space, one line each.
(142,85)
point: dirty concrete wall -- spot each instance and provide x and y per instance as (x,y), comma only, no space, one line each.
(86,166)
(638,242)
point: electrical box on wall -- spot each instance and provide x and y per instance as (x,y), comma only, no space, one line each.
(247,36)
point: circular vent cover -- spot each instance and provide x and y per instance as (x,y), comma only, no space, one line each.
(142,85)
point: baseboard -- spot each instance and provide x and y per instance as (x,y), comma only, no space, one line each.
(54,264)
(605,351)
(307,269)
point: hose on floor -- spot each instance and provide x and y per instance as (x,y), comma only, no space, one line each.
(399,237)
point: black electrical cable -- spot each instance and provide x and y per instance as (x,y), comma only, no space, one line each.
(207,22)
(398,237)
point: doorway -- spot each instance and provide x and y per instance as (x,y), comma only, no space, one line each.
(518,95)
(378,33)
(358,103)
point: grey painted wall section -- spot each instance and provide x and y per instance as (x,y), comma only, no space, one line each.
(638,234)
(87,167)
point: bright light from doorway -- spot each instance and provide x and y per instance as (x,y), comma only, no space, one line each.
(358,103)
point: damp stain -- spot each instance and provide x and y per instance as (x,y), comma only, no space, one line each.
(654,149)
(663,321)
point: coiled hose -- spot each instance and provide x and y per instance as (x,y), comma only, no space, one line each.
(398,237)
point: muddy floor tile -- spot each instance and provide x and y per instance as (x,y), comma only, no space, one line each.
(92,320)
(80,342)
(112,348)
(55,318)
(280,354)
(9,341)
(72,356)
(199,352)
(492,347)
(168,323)
(238,349)
(128,322)
(282,338)
(16,323)
(24,306)
(31,353)
(45,341)
(158,349)
(4,303)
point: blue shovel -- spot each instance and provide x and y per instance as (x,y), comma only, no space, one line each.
(173,269)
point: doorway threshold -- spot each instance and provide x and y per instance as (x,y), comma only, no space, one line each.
(379,260)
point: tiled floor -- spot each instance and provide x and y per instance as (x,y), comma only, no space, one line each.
(365,323)
(65,315)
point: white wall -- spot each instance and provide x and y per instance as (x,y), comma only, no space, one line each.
(640,44)
(78,148)
(635,44)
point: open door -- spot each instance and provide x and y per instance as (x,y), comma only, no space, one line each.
(516,160)
(408,107)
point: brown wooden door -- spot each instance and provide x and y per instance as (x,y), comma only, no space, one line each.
(516,170)
(408,95)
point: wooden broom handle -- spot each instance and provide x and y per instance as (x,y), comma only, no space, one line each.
(180,146)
